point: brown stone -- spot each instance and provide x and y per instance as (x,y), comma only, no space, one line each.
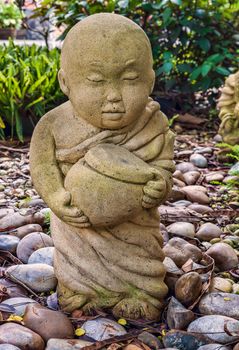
(208,231)
(180,251)
(20,336)
(225,257)
(103,169)
(188,287)
(196,194)
(47,323)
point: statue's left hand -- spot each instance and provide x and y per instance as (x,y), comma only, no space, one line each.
(154,192)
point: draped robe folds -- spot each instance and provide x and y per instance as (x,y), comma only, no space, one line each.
(111,263)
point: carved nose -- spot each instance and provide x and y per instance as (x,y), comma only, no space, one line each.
(114,96)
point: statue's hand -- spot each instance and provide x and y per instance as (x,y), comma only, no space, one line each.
(154,193)
(60,205)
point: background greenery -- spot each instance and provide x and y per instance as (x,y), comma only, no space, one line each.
(195,46)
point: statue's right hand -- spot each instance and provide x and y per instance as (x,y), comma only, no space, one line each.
(61,205)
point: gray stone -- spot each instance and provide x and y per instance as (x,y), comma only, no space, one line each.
(214,347)
(178,317)
(208,231)
(217,138)
(182,340)
(184,229)
(182,203)
(213,327)
(19,304)
(66,344)
(38,277)
(203,150)
(102,328)
(32,242)
(226,304)
(9,243)
(215,176)
(184,167)
(8,347)
(198,160)
(42,256)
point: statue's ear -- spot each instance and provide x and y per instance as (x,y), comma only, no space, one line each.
(62,81)
(152,82)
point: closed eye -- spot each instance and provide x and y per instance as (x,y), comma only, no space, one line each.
(95,78)
(130,77)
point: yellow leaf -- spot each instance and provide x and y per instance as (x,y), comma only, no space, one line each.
(164,332)
(79,332)
(122,321)
(15,318)
(227,299)
(2,125)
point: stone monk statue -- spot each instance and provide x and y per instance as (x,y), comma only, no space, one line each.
(102,162)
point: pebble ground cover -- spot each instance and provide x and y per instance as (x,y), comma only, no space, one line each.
(200,227)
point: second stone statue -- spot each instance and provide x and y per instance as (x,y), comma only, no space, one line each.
(103,162)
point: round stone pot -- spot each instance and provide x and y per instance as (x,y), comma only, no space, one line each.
(107,185)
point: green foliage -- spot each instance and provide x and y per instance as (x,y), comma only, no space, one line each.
(194,42)
(28,85)
(10,15)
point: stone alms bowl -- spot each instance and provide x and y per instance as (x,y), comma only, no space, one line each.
(107,185)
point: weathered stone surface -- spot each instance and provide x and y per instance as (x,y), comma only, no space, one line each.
(19,304)
(196,194)
(102,328)
(208,231)
(198,160)
(212,327)
(185,167)
(13,289)
(191,177)
(184,229)
(226,304)
(224,256)
(219,284)
(39,277)
(9,243)
(214,347)
(236,347)
(103,169)
(22,337)
(42,256)
(188,287)
(178,317)
(150,340)
(66,344)
(180,251)
(182,340)
(22,231)
(228,106)
(31,243)
(215,176)
(201,209)
(8,347)
(47,323)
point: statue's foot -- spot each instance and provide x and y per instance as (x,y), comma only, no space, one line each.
(100,304)
(134,308)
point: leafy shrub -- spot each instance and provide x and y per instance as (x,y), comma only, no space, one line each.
(10,15)
(194,41)
(28,86)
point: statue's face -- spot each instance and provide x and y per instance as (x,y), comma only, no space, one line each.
(111,86)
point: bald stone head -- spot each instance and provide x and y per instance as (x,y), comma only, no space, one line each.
(104,58)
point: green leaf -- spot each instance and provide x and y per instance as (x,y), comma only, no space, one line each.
(205,69)
(19,126)
(166,15)
(167,55)
(222,71)
(204,44)
(167,66)
(176,2)
(195,73)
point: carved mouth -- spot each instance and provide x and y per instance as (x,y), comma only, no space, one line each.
(113,115)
